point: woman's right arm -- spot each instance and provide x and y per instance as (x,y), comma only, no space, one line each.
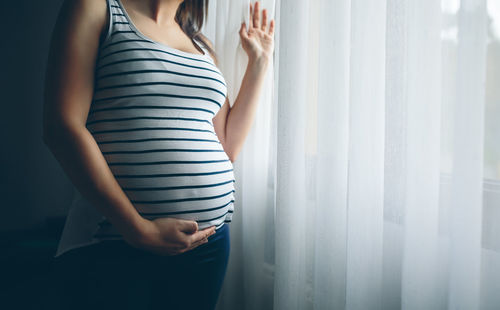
(68,94)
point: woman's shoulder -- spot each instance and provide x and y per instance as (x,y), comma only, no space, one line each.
(85,16)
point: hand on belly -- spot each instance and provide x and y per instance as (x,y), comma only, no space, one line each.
(171,236)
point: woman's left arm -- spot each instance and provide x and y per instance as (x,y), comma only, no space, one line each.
(232,124)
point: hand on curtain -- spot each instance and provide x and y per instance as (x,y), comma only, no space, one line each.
(258,40)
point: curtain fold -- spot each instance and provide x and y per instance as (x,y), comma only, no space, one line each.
(468,144)
(363,184)
(332,154)
(290,262)
(422,117)
(366,160)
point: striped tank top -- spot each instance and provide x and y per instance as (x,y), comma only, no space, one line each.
(151,116)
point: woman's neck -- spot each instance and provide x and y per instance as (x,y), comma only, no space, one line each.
(162,11)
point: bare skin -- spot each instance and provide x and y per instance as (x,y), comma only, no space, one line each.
(68,95)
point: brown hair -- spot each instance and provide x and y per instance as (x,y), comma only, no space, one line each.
(191,15)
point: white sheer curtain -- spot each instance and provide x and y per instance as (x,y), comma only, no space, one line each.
(371,177)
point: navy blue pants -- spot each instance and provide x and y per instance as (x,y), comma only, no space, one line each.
(115,275)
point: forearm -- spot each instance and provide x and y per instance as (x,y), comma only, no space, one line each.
(241,115)
(80,157)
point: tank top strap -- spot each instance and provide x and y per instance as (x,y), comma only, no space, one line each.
(116,8)
(111,8)
(117,20)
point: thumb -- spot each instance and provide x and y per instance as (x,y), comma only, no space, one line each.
(243,30)
(189,227)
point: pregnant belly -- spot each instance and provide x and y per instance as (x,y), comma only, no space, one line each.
(171,173)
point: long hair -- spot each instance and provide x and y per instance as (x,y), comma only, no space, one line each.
(191,15)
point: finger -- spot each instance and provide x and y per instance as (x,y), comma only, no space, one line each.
(188,226)
(271,27)
(199,242)
(264,20)
(195,244)
(256,15)
(243,30)
(204,233)
(250,20)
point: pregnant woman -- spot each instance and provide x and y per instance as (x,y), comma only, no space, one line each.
(136,112)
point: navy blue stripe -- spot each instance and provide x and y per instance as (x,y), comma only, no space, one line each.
(152,42)
(156,139)
(159,83)
(214,218)
(122,31)
(149,117)
(186,211)
(156,59)
(160,71)
(107,223)
(150,107)
(103,224)
(160,150)
(170,175)
(151,128)
(182,199)
(156,50)
(121,23)
(159,95)
(171,162)
(141,189)
(122,41)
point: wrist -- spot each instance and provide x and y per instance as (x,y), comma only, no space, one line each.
(138,231)
(261,61)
